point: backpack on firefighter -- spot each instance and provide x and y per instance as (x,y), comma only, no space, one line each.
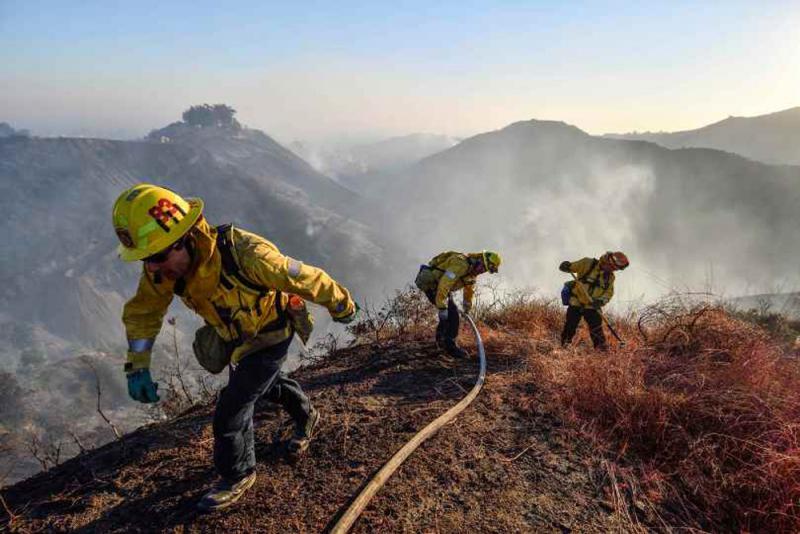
(569,288)
(212,351)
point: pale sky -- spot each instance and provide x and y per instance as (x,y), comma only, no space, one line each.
(325,71)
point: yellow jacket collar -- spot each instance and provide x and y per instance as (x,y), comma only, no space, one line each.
(204,276)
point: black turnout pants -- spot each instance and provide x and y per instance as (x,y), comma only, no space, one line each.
(256,375)
(592,318)
(446,331)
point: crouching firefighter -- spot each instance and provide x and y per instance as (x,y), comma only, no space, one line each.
(446,273)
(240,284)
(590,290)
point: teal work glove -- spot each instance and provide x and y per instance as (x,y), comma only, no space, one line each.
(348,318)
(141,387)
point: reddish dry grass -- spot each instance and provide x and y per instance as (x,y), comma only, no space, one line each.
(699,413)
(705,408)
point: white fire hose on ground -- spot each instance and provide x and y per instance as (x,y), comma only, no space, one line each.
(379,479)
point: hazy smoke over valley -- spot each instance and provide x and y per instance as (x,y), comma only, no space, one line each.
(582,217)
(542,192)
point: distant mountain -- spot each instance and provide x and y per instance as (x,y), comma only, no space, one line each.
(257,154)
(356,166)
(397,152)
(772,138)
(58,193)
(57,196)
(7,131)
(542,191)
(63,286)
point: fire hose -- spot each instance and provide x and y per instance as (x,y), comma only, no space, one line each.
(379,479)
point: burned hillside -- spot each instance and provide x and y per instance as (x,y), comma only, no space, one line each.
(692,424)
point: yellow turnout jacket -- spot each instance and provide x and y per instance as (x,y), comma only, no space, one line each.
(598,284)
(250,316)
(448,272)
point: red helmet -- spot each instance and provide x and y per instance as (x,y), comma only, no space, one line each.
(618,259)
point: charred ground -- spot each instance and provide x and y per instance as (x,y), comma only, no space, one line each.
(373,398)
(557,441)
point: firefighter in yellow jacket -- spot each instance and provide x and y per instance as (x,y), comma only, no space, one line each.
(239,283)
(449,272)
(585,296)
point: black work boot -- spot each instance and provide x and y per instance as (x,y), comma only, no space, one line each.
(441,343)
(441,339)
(452,348)
(301,438)
(224,493)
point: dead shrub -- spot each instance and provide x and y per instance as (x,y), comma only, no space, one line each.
(521,311)
(406,316)
(699,411)
(708,405)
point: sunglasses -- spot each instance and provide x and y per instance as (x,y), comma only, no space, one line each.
(161,257)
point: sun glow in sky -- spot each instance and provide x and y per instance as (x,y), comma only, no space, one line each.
(348,70)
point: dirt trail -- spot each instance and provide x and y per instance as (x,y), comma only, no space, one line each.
(492,470)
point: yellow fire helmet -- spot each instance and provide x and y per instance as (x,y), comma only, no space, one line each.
(491,260)
(149,218)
